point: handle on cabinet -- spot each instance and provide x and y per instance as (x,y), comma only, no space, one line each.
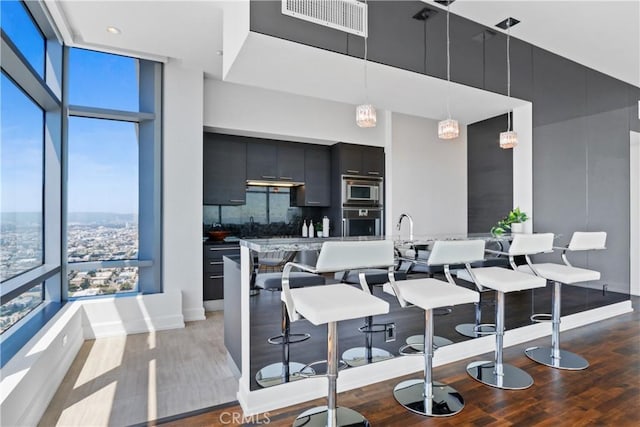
(344,223)
(236,200)
(268,177)
(352,171)
(311,202)
(286,178)
(373,173)
(216,277)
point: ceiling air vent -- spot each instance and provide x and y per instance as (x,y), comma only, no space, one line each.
(345,15)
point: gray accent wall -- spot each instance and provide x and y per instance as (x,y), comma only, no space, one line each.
(489,175)
(581,118)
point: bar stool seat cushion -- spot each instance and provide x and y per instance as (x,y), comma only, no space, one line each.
(432,293)
(562,273)
(375,276)
(297,279)
(504,279)
(334,303)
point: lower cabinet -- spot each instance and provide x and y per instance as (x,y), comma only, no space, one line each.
(213,268)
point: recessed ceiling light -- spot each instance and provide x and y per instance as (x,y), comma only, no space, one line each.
(113,30)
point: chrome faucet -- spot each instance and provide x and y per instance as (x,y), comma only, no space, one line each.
(402,216)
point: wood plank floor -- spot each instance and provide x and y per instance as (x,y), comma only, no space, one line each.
(606,394)
(121,381)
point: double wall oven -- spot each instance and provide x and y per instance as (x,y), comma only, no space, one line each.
(362,205)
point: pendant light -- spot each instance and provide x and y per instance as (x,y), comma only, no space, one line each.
(366,113)
(509,138)
(449,128)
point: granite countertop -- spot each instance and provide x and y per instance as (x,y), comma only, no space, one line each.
(299,243)
(315,243)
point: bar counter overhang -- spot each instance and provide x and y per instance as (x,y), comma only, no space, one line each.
(283,395)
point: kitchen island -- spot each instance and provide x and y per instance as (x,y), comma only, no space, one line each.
(259,318)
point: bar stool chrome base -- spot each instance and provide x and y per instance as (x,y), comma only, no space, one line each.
(567,360)
(512,379)
(317,417)
(357,356)
(271,375)
(417,342)
(446,400)
(472,330)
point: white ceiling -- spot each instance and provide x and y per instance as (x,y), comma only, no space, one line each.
(604,35)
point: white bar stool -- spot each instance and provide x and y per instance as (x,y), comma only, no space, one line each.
(425,396)
(567,274)
(332,303)
(495,373)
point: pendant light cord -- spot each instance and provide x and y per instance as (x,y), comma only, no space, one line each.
(448,67)
(508,75)
(366,83)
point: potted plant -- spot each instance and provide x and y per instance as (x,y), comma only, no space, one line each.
(512,222)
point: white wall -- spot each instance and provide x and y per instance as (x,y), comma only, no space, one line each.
(182,186)
(253,111)
(429,178)
(634,226)
(523,163)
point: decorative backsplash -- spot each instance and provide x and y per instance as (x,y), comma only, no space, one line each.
(266,214)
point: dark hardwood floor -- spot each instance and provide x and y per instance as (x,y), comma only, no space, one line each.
(606,394)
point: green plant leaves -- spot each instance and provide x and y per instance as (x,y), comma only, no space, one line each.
(514,216)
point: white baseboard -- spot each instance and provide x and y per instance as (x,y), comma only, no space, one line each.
(264,400)
(135,326)
(193,314)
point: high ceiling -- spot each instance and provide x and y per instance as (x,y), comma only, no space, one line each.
(604,35)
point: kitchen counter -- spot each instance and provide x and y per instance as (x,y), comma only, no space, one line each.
(315,243)
(297,243)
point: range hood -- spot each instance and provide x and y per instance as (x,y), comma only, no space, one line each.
(267,183)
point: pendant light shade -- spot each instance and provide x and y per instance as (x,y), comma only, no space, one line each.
(366,116)
(508,139)
(448,129)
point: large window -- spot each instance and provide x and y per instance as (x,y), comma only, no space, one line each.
(30,169)
(80,178)
(21,181)
(113,148)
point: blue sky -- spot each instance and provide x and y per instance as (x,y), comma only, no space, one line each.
(103,154)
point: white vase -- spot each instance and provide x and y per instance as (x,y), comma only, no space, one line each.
(517,227)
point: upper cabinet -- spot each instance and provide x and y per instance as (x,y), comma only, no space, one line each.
(275,161)
(316,190)
(351,159)
(225,170)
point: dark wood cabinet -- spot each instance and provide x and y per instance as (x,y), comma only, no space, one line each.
(316,190)
(359,160)
(213,269)
(291,162)
(262,158)
(275,161)
(225,170)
